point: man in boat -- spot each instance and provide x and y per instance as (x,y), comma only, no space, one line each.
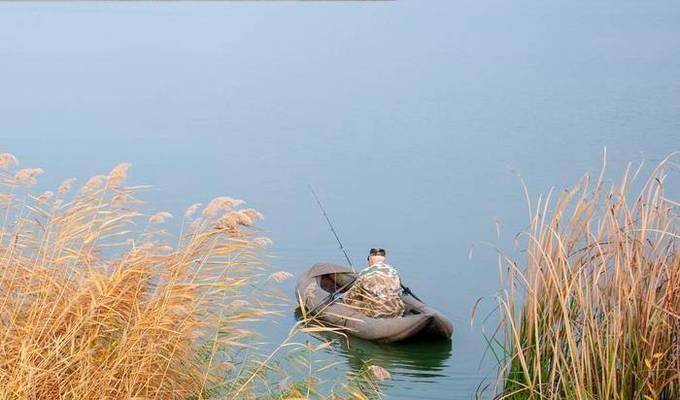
(377,289)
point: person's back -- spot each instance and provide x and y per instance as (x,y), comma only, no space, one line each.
(377,290)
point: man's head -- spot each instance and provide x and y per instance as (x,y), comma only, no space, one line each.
(376,255)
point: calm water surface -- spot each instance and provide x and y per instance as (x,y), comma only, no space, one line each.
(409,118)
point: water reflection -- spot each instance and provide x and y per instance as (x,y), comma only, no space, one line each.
(425,360)
(421,360)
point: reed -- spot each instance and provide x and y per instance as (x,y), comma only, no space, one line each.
(593,311)
(96,302)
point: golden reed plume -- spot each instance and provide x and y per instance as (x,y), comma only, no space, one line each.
(93,307)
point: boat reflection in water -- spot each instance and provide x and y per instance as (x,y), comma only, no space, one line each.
(424,361)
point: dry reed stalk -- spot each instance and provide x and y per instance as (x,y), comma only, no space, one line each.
(594,312)
(90,309)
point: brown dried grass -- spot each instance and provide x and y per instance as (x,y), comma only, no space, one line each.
(593,312)
(95,304)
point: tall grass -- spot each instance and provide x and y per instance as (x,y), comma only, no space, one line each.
(593,312)
(97,303)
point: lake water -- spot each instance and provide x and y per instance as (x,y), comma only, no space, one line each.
(409,118)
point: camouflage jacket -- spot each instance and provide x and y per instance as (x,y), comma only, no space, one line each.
(377,292)
(380,279)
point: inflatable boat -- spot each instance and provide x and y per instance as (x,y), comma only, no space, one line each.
(318,284)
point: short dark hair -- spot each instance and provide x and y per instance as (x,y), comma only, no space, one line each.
(376,252)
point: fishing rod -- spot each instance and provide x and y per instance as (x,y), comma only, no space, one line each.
(334,295)
(323,210)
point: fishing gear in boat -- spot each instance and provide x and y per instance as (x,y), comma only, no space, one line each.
(336,294)
(408,291)
(333,296)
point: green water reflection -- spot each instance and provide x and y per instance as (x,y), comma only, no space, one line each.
(425,360)
(410,359)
